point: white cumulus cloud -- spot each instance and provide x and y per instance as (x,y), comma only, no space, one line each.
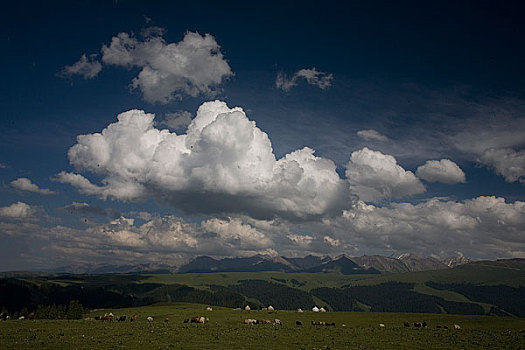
(487,227)
(312,76)
(444,170)
(18,210)
(24,184)
(374,176)
(192,66)
(224,163)
(371,134)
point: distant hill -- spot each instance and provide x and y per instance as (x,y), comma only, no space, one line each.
(338,284)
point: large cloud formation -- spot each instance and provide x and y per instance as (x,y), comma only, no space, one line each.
(374,176)
(192,66)
(224,163)
(485,227)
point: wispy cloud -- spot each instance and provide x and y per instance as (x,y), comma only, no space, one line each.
(88,68)
(371,134)
(24,184)
(312,76)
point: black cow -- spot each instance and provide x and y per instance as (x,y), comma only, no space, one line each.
(299,323)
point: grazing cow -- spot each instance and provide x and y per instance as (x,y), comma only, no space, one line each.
(21,318)
(417,324)
(209,309)
(107,317)
(298,323)
(150,319)
(457,327)
(382,325)
(445,327)
(4,316)
(186,320)
(199,319)
(331,324)
(166,320)
(266,322)
(277,322)
(133,318)
(97,318)
(438,326)
(250,321)
(122,318)
(406,324)
(424,325)
(270,309)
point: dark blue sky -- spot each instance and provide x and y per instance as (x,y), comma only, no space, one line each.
(440,80)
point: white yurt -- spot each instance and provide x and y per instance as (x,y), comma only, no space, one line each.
(315,309)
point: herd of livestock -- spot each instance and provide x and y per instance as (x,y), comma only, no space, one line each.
(249,321)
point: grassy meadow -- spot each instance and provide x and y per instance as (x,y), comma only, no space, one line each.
(226,330)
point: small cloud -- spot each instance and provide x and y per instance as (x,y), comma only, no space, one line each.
(24,184)
(312,76)
(331,241)
(86,209)
(18,210)
(374,176)
(444,171)
(371,134)
(87,68)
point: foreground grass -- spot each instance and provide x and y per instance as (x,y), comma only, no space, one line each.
(227,331)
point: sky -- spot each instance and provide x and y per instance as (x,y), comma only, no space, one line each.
(153,132)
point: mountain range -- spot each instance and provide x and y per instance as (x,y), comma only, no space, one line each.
(366,264)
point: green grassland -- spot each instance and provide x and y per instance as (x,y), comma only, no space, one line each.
(226,330)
